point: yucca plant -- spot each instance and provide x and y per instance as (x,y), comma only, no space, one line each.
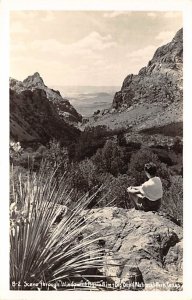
(42,249)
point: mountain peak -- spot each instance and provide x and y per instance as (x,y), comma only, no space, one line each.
(34,80)
(179,35)
(36,74)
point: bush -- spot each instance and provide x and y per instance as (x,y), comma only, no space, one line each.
(137,163)
(178,145)
(57,156)
(89,141)
(110,159)
(172,129)
(118,192)
(173,199)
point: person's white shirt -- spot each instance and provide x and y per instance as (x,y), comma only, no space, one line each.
(152,189)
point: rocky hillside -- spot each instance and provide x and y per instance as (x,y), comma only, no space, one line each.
(160,81)
(153,97)
(34,118)
(66,111)
(139,246)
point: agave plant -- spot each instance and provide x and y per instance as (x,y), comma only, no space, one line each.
(42,249)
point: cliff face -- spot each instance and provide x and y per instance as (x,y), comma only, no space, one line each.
(139,243)
(66,111)
(33,118)
(160,81)
(151,99)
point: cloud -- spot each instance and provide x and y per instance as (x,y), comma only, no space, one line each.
(173,14)
(18,47)
(18,28)
(137,59)
(49,17)
(85,48)
(115,14)
(82,60)
(165,36)
(94,42)
(24,15)
(152,15)
(143,52)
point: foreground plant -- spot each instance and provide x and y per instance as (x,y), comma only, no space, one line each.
(43,249)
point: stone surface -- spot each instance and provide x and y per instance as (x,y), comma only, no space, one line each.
(144,240)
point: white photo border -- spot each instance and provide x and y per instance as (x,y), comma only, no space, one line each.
(104,5)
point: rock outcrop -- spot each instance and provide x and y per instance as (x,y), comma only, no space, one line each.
(146,245)
(152,98)
(159,81)
(33,118)
(66,111)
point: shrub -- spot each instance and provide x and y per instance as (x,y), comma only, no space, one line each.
(118,191)
(173,199)
(137,163)
(89,141)
(57,156)
(172,129)
(178,144)
(110,159)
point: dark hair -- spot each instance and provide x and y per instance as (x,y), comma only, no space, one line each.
(151,168)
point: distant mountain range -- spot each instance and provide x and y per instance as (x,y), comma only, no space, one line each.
(88,99)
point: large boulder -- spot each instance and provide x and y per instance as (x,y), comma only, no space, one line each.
(141,245)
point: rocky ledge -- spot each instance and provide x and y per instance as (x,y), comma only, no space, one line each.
(143,245)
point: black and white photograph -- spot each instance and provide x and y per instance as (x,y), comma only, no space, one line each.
(96,151)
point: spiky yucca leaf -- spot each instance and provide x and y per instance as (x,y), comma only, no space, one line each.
(40,248)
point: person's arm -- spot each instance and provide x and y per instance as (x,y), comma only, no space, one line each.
(134,189)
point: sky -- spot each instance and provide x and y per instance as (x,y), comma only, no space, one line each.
(89,48)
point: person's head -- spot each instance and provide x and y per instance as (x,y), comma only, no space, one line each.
(150,169)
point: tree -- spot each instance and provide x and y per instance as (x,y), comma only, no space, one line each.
(110,159)
(137,163)
(118,191)
(89,141)
(173,198)
(121,139)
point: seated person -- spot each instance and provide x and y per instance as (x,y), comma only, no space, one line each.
(148,196)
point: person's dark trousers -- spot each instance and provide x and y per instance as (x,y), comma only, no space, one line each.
(144,203)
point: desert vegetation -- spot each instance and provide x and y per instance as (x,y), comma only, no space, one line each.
(46,241)
(103,157)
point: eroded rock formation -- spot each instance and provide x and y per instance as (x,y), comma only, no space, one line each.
(66,111)
(159,81)
(134,240)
